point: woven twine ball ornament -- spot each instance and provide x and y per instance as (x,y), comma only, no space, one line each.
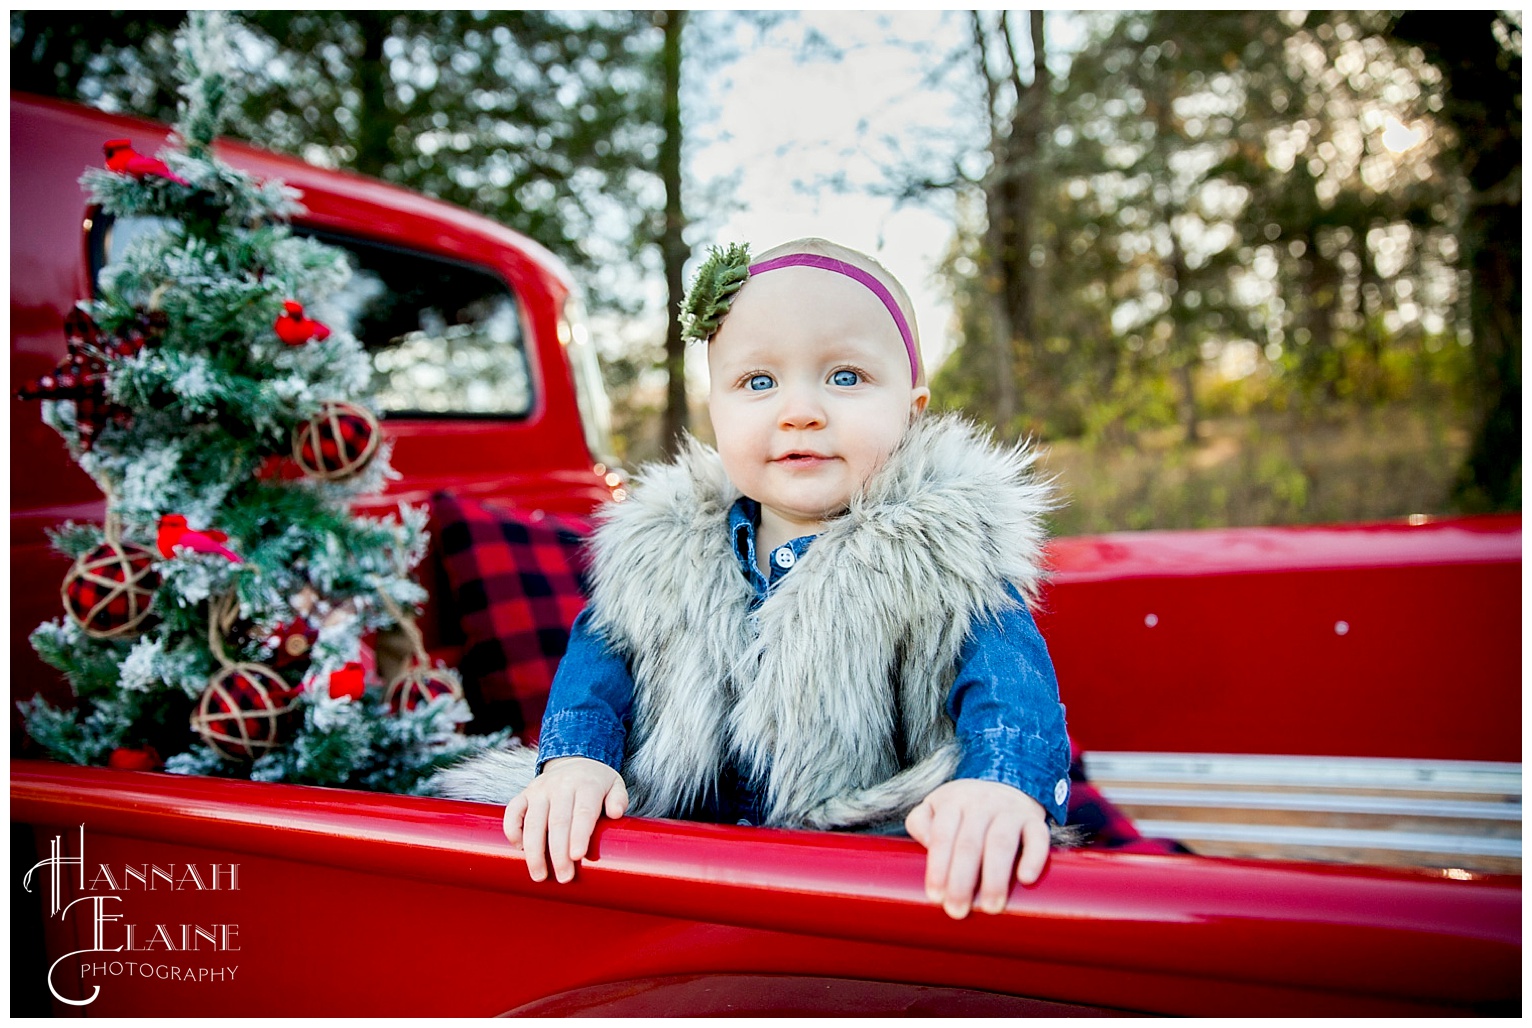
(420,683)
(417,682)
(337,442)
(247,710)
(109,590)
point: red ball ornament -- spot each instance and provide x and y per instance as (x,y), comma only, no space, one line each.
(124,759)
(337,442)
(293,646)
(109,590)
(246,710)
(418,684)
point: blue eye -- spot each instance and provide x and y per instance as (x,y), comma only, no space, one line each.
(845,377)
(759,382)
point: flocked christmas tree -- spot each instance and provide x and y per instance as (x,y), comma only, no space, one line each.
(218,616)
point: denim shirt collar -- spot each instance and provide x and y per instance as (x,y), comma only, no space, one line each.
(744,517)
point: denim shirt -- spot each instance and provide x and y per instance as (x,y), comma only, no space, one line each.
(1004,701)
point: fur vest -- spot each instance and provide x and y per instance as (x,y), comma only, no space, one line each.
(832,692)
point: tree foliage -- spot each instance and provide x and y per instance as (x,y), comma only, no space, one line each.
(548,121)
(1257,196)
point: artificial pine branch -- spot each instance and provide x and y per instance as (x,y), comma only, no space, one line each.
(213,400)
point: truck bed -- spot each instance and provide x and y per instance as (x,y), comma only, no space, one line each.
(356,904)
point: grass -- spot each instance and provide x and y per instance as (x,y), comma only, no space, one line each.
(1266,468)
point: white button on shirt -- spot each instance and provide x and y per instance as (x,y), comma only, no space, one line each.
(784,557)
(1061,790)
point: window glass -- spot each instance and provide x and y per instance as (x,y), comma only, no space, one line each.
(444,337)
(590,388)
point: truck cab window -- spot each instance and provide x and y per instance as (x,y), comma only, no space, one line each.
(445,338)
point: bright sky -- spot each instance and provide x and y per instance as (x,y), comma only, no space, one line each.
(784,124)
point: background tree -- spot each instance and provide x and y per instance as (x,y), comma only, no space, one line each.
(1478,54)
(672,233)
(1228,229)
(547,121)
(1018,117)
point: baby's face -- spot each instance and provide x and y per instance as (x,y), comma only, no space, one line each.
(810,393)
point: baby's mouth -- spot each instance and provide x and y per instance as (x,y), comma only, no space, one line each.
(801,458)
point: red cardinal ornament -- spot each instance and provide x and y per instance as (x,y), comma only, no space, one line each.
(294,328)
(173,533)
(348,681)
(123,159)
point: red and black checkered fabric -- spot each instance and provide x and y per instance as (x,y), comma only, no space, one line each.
(1105,826)
(515,583)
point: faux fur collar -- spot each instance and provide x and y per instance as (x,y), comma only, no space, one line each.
(838,680)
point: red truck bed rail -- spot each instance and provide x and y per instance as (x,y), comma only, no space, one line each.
(362,904)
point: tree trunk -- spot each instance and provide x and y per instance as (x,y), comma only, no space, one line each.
(1010,205)
(374,150)
(1183,349)
(672,239)
(1018,185)
(1483,92)
(1492,477)
(1321,298)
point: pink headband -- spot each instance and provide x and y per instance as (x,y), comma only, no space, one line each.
(814,260)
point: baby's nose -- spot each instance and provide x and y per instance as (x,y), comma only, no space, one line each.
(801,408)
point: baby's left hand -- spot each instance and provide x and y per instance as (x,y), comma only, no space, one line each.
(971,830)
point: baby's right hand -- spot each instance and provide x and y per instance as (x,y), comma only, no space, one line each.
(555,815)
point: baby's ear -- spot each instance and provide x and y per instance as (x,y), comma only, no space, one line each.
(919,397)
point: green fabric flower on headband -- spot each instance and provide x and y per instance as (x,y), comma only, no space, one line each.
(713,290)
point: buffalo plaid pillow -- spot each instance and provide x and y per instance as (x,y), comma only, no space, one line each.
(1104,825)
(515,583)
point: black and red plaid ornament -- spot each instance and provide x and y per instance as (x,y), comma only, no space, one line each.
(246,711)
(418,683)
(108,591)
(145,328)
(81,376)
(337,442)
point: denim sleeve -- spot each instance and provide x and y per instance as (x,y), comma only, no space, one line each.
(1005,703)
(590,702)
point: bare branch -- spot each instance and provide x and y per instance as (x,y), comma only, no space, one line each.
(1010,54)
(981,46)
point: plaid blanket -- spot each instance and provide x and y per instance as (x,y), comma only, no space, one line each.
(514,583)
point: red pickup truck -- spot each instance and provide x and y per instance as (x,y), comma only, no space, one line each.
(1301,707)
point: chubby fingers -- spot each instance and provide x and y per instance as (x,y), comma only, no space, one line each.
(534,835)
(918,822)
(561,815)
(585,810)
(617,799)
(1034,851)
(515,813)
(952,860)
(972,831)
(1001,838)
